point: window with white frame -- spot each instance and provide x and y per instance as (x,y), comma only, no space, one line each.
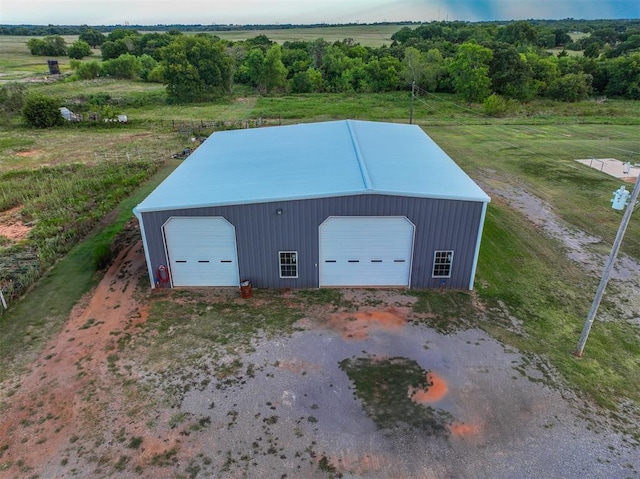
(442,264)
(288,264)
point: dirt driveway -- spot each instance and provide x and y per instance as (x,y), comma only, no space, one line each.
(364,390)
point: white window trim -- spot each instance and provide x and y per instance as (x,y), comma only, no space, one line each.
(435,254)
(280,264)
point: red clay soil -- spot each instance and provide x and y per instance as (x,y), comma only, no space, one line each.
(356,326)
(69,391)
(11,226)
(436,390)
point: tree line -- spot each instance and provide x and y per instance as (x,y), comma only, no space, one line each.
(482,63)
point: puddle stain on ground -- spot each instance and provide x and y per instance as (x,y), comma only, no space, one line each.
(436,390)
(357,325)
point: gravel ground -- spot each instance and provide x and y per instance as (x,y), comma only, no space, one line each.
(502,419)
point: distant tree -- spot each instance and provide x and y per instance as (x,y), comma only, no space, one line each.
(402,35)
(92,37)
(121,33)
(41,111)
(518,33)
(79,49)
(113,49)
(52,46)
(562,38)
(592,51)
(470,72)
(196,68)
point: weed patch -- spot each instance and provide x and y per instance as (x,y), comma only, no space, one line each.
(383,388)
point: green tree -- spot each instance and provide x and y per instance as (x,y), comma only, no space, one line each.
(196,68)
(52,46)
(382,74)
(93,37)
(309,81)
(624,77)
(414,67)
(42,111)
(470,72)
(275,73)
(113,49)
(79,49)
(511,75)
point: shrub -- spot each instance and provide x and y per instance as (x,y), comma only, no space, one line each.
(495,105)
(42,111)
(79,50)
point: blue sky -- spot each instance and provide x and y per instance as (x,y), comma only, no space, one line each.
(151,12)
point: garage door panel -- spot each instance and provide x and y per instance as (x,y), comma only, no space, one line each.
(201,251)
(366,251)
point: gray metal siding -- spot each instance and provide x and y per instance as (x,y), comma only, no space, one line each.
(261,233)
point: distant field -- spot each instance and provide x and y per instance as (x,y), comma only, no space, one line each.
(17,63)
(367,35)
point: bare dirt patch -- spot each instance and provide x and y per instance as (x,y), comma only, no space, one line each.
(11,226)
(63,394)
(29,153)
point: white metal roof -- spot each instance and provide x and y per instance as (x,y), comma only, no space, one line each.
(312,160)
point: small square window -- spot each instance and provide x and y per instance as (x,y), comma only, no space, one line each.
(442,261)
(288,264)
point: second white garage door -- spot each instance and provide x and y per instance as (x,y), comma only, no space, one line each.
(366,251)
(201,251)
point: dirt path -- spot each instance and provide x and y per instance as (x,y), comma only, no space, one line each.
(62,396)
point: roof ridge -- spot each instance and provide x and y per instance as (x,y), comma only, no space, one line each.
(366,180)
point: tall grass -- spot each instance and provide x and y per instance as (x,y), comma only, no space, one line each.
(63,204)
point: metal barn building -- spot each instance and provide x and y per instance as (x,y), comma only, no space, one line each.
(338,203)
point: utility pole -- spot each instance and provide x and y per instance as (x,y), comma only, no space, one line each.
(413,94)
(607,270)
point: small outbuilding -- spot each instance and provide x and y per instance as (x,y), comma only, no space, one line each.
(338,203)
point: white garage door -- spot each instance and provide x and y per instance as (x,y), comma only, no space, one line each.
(366,251)
(201,251)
